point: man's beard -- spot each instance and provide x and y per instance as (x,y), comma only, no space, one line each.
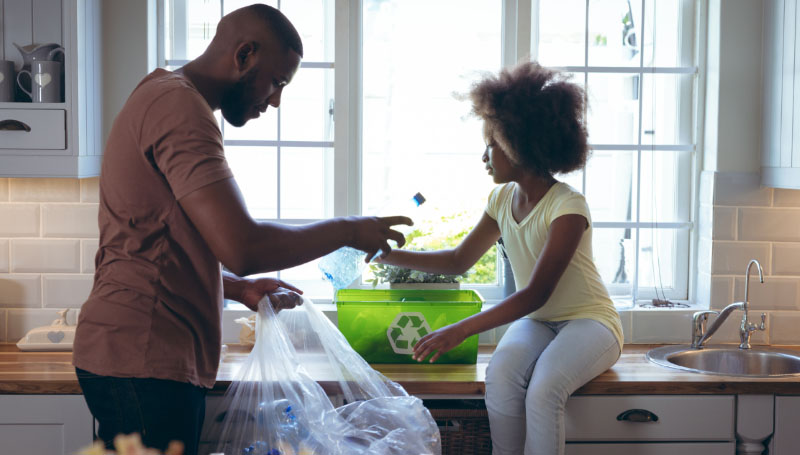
(236,101)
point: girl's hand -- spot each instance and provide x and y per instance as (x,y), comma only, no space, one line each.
(282,295)
(438,342)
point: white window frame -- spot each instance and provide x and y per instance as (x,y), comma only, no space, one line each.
(519,40)
(688,182)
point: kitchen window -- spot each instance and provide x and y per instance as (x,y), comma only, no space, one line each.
(376,115)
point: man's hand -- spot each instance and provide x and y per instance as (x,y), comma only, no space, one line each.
(371,234)
(282,295)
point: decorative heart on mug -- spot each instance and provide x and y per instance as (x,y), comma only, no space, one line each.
(2,77)
(55,337)
(43,79)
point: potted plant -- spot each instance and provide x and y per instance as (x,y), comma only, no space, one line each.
(402,278)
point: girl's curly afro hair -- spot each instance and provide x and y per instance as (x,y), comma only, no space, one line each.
(537,114)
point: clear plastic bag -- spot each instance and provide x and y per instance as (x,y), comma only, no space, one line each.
(276,406)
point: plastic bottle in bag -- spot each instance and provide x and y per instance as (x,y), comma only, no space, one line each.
(290,431)
(346,264)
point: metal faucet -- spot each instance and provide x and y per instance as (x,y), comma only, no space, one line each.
(699,320)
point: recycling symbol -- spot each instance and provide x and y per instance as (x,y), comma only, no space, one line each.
(406,330)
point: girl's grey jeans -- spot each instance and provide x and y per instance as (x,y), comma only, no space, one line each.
(535,368)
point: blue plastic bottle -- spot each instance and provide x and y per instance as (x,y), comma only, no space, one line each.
(345,265)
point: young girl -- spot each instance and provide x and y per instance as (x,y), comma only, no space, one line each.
(565,329)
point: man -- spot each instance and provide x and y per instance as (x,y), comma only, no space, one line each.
(148,339)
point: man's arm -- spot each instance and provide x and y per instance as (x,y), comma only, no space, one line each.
(246,246)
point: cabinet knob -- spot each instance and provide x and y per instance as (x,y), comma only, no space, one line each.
(638,415)
(14,125)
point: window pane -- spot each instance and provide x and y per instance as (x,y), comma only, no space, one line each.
(614,29)
(306,187)
(614,255)
(610,183)
(264,128)
(613,116)
(663,38)
(573,179)
(418,136)
(661,180)
(309,18)
(666,109)
(202,19)
(562,34)
(306,106)
(658,255)
(256,171)
(231,5)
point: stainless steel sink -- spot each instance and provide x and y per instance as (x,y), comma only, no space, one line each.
(728,360)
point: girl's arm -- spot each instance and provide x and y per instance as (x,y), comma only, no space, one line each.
(453,261)
(562,241)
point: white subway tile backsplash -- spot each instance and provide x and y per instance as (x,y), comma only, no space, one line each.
(728,332)
(741,189)
(776,225)
(659,326)
(45,256)
(487,337)
(3,256)
(626,318)
(66,290)
(783,327)
(721,292)
(786,259)
(19,220)
(88,252)
(3,190)
(773,294)
(44,190)
(90,189)
(20,291)
(70,220)
(786,198)
(724,223)
(20,321)
(731,258)
(500,331)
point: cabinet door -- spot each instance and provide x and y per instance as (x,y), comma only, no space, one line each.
(44,424)
(787,415)
(615,418)
(707,448)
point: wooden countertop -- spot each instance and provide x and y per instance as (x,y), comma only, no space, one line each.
(52,373)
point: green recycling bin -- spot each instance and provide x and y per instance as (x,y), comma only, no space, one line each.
(383,325)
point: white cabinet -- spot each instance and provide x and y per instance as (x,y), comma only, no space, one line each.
(44,424)
(787,419)
(57,139)
(780,160)
(650,424)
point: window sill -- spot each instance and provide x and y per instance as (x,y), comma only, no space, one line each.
(640,325)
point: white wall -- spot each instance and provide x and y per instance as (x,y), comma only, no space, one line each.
(129,51)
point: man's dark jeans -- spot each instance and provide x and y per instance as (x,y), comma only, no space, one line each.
(159,410)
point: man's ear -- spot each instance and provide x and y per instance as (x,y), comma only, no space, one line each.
(245,56)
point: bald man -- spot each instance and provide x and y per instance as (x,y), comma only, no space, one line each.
(148,339)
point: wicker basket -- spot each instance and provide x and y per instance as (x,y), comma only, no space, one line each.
(464,431)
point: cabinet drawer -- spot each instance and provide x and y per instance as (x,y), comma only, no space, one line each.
(696,448)
(47,129)
(675,418)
